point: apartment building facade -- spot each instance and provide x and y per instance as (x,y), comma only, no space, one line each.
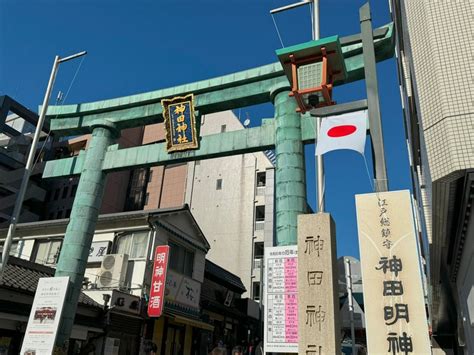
(16,133)
(61,192)
(436,74)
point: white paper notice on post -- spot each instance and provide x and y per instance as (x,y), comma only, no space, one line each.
(45,316)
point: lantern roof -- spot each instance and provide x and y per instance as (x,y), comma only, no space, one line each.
(312,49)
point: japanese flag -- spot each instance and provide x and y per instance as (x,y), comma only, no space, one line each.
(347,131)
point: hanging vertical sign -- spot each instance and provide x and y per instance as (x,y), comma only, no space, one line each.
(43,323)
(180,123)
(391,275)
(158,281)
(281,297)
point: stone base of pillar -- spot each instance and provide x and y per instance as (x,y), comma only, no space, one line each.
(318,298)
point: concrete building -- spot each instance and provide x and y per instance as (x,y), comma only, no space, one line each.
(436,73)
(117,191)
(16,127)
(232,200)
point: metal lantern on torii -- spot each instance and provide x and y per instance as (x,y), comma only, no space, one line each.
(313,68)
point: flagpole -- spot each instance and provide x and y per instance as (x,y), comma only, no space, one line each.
(319,158)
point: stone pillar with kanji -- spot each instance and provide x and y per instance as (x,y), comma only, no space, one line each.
(318,301)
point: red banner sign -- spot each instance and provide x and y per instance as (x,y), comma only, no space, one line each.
(158,281)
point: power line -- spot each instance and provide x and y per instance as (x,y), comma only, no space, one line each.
(278,32)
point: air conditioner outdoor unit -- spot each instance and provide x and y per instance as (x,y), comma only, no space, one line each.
(112,271)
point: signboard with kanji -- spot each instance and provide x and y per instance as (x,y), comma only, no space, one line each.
(182,289)
(158,281)
(318,297)
(391,275)
(281,297)
(180,123)
(98,250)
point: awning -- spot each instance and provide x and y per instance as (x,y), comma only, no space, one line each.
(194,323)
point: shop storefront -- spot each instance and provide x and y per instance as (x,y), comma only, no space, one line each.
(17,290)
(180,331)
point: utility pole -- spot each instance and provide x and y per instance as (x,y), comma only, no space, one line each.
(319,158)
(371,83)
(347,269)
(29,163)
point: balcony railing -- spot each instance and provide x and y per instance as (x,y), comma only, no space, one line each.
(261,191)
(257,263)
(259,225)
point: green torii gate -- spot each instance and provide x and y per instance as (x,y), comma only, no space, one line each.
(286,133)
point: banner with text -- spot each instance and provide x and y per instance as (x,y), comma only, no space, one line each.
(391,275)
(158,281)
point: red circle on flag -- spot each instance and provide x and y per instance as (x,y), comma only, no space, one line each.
(341,131)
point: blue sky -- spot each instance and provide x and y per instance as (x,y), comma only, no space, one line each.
(142,45)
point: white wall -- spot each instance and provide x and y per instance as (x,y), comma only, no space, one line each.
(226,216)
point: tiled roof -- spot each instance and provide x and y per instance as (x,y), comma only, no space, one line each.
(24,275)
(223,275)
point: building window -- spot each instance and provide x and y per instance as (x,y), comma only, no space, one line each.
(181,259)
(223,128)
(256,291)
(73,190)
(14,251)
(259,217)
(261,183)
(258,250)
(56,194)
(136,190)
(133,244)
(261,179)
(197,162)
(219,184)
(47,251)
(65,189)
(150,177)
(147,196)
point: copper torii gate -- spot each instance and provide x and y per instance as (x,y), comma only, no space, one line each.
(286,133)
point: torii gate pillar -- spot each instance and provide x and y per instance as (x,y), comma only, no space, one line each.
(80,230)
(290,191)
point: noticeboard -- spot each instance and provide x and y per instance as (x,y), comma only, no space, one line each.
(45,315)
(281,299)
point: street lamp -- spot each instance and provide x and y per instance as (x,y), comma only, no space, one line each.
(29,162)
